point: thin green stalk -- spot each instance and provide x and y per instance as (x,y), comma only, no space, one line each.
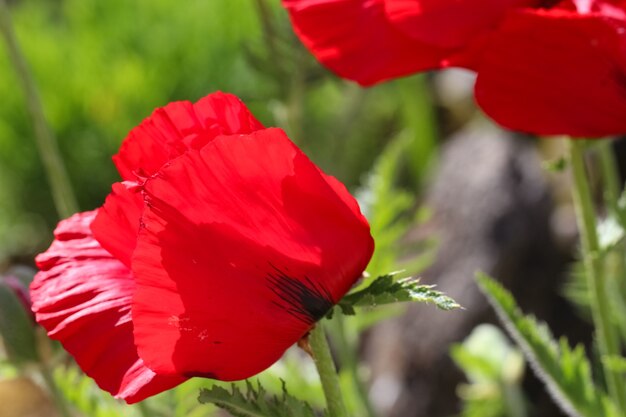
(347,351)
(610,174)
(44,349)
(608,342)
(61,405)
(614,262)
(62,193)
(144,411)
(267,25)
(327,372)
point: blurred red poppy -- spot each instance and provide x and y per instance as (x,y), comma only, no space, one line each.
(222,248)
(544,66)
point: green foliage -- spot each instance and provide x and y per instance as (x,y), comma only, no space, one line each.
(565,371)
(611,234)
(387,208)
(103,67)
(84,395)
(495,370)
(17,330)
(615,363)
(255,402)
(387,290)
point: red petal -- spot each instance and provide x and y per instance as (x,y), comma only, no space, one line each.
(172,130)
(449,23)
(355,40)
(246,244)
(82,298)
(556,72)
(117,223)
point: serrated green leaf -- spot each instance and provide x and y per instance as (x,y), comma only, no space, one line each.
(386,290)
(565,371)
(255,402)
(16,327)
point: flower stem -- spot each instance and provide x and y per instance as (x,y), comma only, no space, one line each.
(45,353)
(62,193)
(54,390)
(327,372)
(144,411)
(610,174)
(608,342)
(347,350)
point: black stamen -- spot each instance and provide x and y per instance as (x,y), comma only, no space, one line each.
(306,300)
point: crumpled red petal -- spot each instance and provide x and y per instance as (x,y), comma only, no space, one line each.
(246,245)
(82,297)
(116,225)
(556,72)
(171,130)
(449,23)
(355,39)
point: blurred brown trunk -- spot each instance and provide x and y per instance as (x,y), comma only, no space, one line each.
(492,212)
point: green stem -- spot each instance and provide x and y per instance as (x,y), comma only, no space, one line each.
(144,411)
(62,193)
(608,342)
(348,357)
(269,34)
(61,405)
(327,372)
(610,174)
(45,352)
(614,264)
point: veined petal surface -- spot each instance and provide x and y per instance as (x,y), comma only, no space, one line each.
(356,40)
(172,130)
(116,225)
(245,245)
(450,23)
(82,297)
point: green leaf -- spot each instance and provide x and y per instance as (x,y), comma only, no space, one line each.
(85,396)
(255,402)
(565,371)
(16,327)
(386,290)
(615,363)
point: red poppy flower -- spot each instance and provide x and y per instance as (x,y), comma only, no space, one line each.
(544,67)
(557,71)
(223,248)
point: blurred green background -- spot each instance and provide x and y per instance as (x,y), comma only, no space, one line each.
(103,66)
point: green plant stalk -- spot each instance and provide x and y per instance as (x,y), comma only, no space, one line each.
(608,342)
(61,405)
(64,199)
(327,372)
(144,411)
(269,33)
(44,349)
(610,175)
(615,267)
(347,350)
